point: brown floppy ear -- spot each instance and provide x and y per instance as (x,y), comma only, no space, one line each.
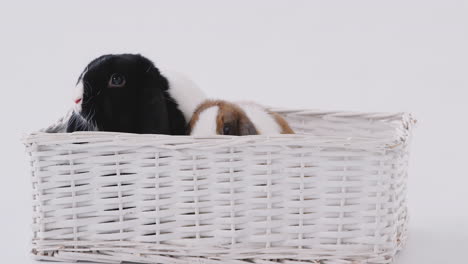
(233,121)
(246,127)
(228,122)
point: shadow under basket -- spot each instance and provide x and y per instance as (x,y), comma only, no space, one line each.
(335,192)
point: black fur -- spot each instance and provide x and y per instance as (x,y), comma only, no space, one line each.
(143,105)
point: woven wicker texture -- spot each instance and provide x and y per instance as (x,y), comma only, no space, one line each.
(333,193)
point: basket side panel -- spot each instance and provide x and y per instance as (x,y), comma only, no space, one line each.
(277,200)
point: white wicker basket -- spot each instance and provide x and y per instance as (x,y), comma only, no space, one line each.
(333,193)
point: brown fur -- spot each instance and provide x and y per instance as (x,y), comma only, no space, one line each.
(232,120)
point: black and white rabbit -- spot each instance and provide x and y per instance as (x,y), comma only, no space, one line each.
(219,117)
(127,93)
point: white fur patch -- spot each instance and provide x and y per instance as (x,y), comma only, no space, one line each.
(186,93)
(262,120)
(206,124)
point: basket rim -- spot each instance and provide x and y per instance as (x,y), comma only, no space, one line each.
(407,120)
(219,141)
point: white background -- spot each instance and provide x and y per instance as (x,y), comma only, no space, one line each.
(347,55)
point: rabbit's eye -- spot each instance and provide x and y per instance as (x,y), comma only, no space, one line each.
(229,129)
(116,80)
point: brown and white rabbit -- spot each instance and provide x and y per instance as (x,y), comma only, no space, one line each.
(218,117)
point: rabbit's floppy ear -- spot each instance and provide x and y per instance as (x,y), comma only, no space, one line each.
(159,111)
(234,121)
(157,78)
(152,117)
(228,122)
(246,127)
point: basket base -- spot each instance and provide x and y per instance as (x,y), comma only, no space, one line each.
(125,256)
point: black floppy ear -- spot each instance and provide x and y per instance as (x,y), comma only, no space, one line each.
(159,112)
(153,117)
(156,76)
(177,122)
